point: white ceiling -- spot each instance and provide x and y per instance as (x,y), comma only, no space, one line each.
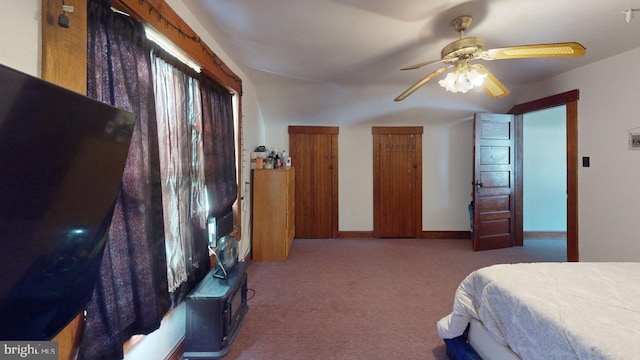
(338,61)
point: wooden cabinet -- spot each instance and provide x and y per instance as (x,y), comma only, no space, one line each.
(273,213)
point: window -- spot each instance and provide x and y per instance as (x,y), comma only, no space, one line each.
(186,144)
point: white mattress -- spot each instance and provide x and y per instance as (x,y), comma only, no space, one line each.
(553,310)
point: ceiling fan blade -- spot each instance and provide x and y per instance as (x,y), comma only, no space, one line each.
(417,85)
(566,49)
(417,66)
(492,86)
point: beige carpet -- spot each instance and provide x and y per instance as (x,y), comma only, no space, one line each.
(358,299)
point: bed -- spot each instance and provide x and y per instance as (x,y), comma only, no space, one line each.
(546,311)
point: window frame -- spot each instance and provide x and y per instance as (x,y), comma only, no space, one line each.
(158,14)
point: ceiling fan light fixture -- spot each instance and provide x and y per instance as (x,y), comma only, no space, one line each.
(476,77)
(463,79)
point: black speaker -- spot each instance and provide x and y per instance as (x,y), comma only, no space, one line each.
(215,311)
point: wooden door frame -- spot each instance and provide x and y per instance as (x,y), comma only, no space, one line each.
(334,131)
(570,100)
(398,130)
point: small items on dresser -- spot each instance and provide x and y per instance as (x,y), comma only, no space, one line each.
(262,158)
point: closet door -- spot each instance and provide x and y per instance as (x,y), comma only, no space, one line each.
(314,154)
(397,182)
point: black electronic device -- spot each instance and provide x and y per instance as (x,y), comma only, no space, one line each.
(62,156)
(215,310)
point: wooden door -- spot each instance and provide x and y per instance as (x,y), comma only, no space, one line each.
(397,182)
(314,154)
(493,181)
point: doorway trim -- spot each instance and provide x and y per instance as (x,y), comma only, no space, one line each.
(570,100)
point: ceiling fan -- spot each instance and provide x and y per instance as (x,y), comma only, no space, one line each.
(460,53)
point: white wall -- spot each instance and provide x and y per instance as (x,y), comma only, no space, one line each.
(608,192)
(446,174)
(545,170)
(20,35)
(446,166)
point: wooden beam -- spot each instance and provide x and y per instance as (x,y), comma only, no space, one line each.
(64,52)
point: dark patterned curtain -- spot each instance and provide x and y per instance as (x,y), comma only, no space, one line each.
(219,147)
(131,296)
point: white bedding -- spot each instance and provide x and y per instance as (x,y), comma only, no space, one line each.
(553,310)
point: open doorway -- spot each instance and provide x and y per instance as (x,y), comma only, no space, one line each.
(544,176)
(570,100)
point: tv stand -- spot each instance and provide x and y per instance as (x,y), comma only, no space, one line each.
(215,311)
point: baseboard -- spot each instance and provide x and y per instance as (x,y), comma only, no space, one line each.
(424,235)
(446,235)
(178,350)
(451,234)
(355,234)
(545,234)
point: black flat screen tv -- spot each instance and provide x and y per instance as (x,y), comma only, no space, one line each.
(62,157)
